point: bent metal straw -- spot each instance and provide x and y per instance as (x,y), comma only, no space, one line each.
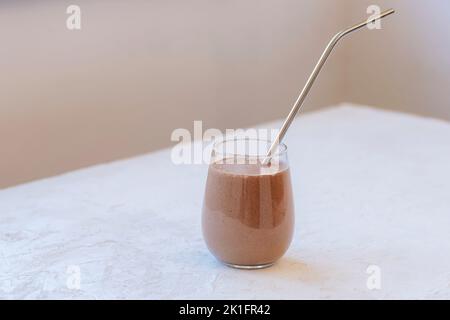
(313,76)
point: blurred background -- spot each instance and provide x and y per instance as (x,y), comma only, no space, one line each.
(139,69)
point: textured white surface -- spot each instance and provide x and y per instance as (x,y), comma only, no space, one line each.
(371,188)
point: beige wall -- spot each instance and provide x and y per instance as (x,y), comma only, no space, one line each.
(405,66)
(139,69)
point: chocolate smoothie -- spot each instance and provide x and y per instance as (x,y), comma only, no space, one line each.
(248,213)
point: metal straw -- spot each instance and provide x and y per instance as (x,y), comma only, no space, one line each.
(313,76)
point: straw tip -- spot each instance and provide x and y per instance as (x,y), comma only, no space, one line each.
(390,11)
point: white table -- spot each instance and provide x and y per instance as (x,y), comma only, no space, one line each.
(372,188)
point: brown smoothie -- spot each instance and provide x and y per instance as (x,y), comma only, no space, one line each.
(248,213)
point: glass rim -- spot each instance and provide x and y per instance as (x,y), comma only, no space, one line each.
(281,150)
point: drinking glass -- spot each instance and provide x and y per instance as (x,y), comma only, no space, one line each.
(248,209)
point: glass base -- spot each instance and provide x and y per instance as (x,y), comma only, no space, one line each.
(250,267)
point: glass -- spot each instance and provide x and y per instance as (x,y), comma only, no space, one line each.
(248,209)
